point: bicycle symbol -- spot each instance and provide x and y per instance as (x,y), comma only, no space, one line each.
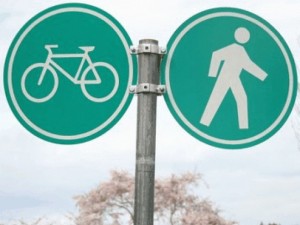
(80,78)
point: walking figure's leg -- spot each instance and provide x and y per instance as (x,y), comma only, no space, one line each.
(242,104)
(214,102)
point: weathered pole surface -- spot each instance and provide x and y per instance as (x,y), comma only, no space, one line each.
(149,57)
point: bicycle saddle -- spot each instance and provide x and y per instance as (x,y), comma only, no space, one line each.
(87,48)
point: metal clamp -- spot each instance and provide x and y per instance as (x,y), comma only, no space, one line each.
(148,88)
(148,48)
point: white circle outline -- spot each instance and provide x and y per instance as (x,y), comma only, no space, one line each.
(180,114)
(13,54)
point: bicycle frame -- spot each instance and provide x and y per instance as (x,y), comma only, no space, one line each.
(85,58)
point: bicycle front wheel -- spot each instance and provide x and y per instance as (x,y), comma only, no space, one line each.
(39,84)
(100,82)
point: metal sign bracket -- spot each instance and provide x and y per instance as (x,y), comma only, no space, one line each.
(148,48)
(147,88)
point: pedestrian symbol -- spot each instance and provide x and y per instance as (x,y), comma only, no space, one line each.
(68,72)
(234,60)
(230,77)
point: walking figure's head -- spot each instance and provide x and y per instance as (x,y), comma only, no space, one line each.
(242,35)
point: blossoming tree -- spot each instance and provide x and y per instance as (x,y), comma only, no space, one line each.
(112,202)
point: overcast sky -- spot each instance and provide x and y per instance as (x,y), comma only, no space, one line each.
(38,178)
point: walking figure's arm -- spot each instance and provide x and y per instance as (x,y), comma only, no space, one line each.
(254,69)
(215,64)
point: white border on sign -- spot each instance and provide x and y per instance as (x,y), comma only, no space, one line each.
(180,114)
(15,49)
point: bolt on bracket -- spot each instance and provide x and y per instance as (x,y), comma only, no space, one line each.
(147,88)
(148,48)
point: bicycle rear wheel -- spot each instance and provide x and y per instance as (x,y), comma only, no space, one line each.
(96,88)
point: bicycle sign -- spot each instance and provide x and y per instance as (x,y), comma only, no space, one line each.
(68,72)
(50,65)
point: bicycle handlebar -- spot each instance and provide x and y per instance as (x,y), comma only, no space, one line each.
(51,46)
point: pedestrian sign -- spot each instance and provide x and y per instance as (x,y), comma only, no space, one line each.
(67,73)
(235,59)
(230,77)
